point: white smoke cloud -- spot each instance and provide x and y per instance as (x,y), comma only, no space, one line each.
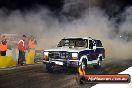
(49,30)
(126,26)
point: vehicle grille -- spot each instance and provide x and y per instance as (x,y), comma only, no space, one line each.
(58,55)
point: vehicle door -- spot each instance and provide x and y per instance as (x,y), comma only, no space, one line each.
(92,47)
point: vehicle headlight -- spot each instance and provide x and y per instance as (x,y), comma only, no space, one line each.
(46,54)
(74,55)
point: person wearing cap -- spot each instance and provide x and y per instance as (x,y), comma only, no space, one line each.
(3,46)
(22,50)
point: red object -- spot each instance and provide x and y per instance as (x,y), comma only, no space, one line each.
(21,46)
(123,78)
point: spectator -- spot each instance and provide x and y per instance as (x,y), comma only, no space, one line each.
(32,43)
(3,46)
(22,50)
(31,50)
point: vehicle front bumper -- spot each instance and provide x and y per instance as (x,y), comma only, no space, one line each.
(68,63)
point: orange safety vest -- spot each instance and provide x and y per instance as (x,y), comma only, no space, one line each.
(3,47)
(31,44)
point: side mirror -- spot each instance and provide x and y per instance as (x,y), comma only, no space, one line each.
(94,47)
(58,45)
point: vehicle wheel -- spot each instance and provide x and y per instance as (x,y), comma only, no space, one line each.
(80,80)
(49,67)
(35,60)
(84,63)
(98,65)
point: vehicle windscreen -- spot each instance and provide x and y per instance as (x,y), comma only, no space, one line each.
(73,43)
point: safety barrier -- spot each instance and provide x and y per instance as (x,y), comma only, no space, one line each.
(7,61)
(30,57)
(12,58)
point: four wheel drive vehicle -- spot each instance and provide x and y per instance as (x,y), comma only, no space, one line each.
(73,52)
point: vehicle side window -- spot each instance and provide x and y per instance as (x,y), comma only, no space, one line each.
(81,43)
(61,43)
(86,43)
(90,44)
(98,43)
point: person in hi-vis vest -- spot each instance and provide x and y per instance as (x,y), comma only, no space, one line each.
(22,50)
(32,43)
(31,50)
(3,46)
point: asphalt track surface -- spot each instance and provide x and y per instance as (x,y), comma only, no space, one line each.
(35,76)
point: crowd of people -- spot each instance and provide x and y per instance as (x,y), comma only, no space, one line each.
(24,44)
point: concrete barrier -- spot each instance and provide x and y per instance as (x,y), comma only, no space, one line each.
(7,61)
(11,58)
(30,57)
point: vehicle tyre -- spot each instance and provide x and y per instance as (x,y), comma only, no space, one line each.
(49,67)
(98,65)
(81,80)
(84,63)
(35,60)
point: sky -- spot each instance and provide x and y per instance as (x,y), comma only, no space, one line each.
(117,6)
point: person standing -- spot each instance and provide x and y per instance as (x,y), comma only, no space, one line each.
(22,50)
(31,50)
(32,43)
(3,46)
